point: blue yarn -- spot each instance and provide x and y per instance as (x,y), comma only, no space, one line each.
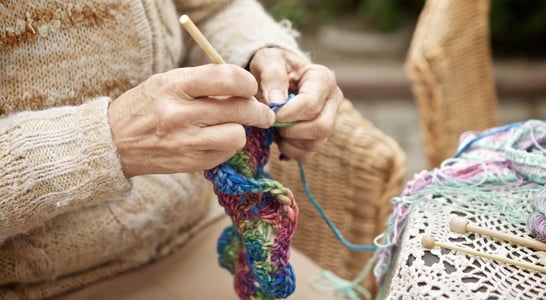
(325,217)
(486,134)
(228,181)
(254,251)
(225,239)
(284,284)
(336,232)
(275,106)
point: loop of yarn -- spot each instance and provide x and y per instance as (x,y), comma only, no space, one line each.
(256,248)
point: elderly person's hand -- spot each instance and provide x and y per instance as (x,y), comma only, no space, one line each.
(314,107)
(186,120)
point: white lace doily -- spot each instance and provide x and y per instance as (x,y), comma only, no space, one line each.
(419,273)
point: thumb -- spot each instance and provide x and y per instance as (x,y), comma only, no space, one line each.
(276,96)
(274,84)
(269,67)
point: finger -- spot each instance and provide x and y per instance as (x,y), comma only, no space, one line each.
(211,158)
(248,112)
(224,137)
(320,127)
(306,145)
(291,151)
(269,66)
(195,162)
(212,80)
(316,85)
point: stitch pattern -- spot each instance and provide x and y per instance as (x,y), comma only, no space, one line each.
(256,248)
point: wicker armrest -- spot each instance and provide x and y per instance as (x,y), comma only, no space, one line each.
(352,177)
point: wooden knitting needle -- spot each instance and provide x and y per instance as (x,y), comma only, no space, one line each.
(429,243)
(462,225)
(200,39)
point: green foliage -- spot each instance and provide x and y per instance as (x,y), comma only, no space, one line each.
(304,13)
(385,15)
(294,11)
(382,15)
(518,26)
(515,24)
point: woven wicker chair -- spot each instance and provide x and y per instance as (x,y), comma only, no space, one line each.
(352,177)
(449,65)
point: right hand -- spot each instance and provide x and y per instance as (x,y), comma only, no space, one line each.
(185,120)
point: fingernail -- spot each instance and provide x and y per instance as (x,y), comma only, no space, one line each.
(272,118)
(276,96)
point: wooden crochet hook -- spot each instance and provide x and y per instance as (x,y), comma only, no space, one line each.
(200,39)
(207,47)
(462,225)
(429,243)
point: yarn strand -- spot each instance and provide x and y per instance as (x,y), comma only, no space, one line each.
(330,224)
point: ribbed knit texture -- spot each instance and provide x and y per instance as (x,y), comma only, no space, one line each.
(55,161)
(68,216)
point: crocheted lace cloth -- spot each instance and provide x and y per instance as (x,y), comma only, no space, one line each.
(419,273)
(498,183)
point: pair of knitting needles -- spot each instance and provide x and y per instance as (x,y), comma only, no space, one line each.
(461,225)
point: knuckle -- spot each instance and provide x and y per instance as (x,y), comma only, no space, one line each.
(226,70)
(322,130)
(225,79)
(304,156)
(160,86)
(232,78)
(310,110)
(167,115)
(157,78)
(160,82)
(327,75)
(273,71)
(308,147)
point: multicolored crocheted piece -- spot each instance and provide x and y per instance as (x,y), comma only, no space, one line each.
(256,248)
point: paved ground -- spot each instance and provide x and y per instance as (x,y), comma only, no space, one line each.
(378,87)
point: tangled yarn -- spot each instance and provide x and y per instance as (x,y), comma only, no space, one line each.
(256,248)
(502,172)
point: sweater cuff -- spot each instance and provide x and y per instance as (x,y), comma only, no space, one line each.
(103,163)
(65,157)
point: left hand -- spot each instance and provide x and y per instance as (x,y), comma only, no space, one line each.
(314,108)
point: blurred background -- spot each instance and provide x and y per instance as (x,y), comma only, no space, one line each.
(365,42)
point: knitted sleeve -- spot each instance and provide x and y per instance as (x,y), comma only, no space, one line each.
(237,29)
(56,160)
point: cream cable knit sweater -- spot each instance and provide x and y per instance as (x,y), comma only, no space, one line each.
(66,210)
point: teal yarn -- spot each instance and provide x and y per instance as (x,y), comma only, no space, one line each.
(330,224)
(506,162)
